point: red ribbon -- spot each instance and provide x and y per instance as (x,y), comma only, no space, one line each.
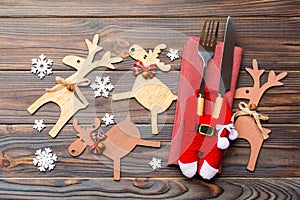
(98,137)
(139,68)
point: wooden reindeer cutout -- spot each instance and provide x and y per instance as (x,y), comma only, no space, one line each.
(148,90)
(120,140)
(248,120)
(66,93)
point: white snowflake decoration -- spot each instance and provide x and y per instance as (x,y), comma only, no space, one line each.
(39,125)
(44,159)
(102,86)
(108,119)
(41,66)
(155,163)
(173,54)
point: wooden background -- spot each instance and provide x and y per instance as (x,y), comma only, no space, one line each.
(267,30)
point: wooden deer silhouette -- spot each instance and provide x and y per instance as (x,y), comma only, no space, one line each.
(66,93)
(247,123)
(120,140)
(148,90)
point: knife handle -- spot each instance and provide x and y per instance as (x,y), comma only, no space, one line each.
(217,107)
(200,106)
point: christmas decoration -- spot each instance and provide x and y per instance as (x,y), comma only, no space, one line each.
(247,119)
(148,90)
(39,125)
(120,140)
(102,86)
(173,54)
(41,66)
(108,119)
(199,142)
(66,93)
(45,159)
(155,163)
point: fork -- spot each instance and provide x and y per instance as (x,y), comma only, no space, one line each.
(206,49)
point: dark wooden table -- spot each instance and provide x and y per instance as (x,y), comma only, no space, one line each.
(267,31)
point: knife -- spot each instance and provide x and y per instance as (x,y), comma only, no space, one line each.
(226,66)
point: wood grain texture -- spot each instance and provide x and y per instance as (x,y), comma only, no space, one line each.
(20,94)
(153,8)
(266,30)
(274,42)
(99,188)
(19,142)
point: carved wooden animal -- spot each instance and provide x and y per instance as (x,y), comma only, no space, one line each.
(120,140)
(246,125)
(66,93)
(149,91)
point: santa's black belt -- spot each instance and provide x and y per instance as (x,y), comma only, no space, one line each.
(205,129)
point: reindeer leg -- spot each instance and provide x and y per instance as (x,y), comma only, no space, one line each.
(38,103)
(154,112)
(255,149)
(148,143)
(121,96)
(81,97)
(69,107)
(117,167)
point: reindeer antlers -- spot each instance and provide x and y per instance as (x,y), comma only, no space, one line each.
(255,92)
(93,46)
(79,129)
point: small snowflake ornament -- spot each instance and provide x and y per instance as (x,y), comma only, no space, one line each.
(108,119)
(173,54)
(102,86)
(155,163)
(39,125)
(44,159)
(41,66)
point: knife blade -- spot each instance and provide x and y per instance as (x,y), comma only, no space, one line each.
(226,66)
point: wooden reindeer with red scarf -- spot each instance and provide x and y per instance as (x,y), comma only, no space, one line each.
(66,93)
(149,91)
(247,120)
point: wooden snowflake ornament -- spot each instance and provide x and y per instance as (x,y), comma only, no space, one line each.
(66,93)
(149,91)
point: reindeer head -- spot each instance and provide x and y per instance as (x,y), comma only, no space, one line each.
(254,93)
(76,61)
(138,53)
(79,145)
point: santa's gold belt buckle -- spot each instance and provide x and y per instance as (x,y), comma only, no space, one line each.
(206,130)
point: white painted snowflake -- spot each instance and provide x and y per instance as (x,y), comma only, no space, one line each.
(102,86)
(39,124)
(41,66)
(173,54)
(155,163)
(108,119)
(44,159)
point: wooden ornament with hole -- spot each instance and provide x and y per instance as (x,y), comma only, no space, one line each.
(245,125)
(120,140)
(151,93)
(66,93)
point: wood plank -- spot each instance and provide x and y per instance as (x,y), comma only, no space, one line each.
(263,38)
(153,8)
(19,143)
(23,88)
(74,188)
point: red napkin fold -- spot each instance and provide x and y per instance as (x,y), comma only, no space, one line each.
(190,78)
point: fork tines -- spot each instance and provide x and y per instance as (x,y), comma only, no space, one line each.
(208,40)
